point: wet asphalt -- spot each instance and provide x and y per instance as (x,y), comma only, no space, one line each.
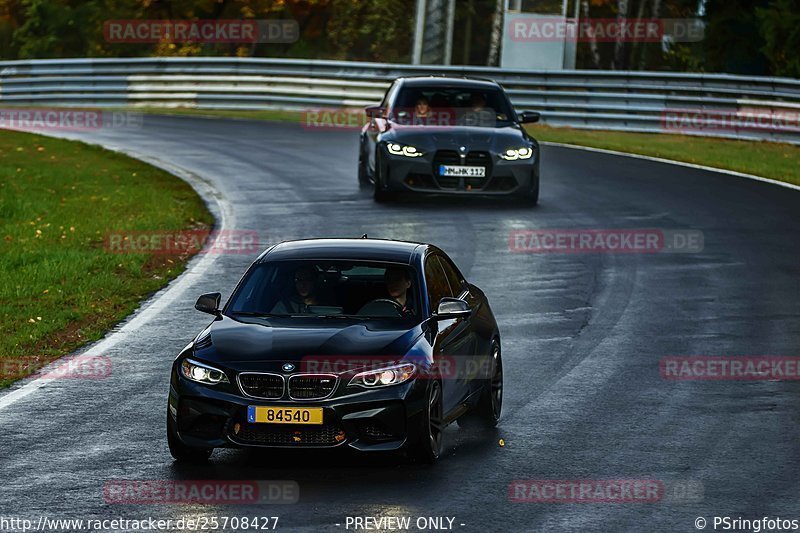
(582,334)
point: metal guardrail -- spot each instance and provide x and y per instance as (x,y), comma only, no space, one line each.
(762,108)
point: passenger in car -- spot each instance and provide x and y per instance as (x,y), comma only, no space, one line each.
(478,114)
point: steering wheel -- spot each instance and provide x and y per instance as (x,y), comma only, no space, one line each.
(381,307)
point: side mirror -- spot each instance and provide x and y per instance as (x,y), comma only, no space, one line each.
(529,117)
(374,111)
(209,303)
(452,308)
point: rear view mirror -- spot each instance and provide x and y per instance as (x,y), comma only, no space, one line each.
(209,303)
(374,111)
(452,308)
(529,117)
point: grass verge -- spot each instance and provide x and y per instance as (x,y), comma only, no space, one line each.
(60,287)
(770,160)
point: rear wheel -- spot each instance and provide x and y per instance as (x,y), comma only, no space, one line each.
(181,452)
(486,414)
(426,445)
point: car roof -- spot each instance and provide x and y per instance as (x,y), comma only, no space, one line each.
(447,81)
(353,249)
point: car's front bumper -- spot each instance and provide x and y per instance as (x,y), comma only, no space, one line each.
(366,420)
(421,174)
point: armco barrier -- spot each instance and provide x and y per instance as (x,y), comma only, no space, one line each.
(734,106)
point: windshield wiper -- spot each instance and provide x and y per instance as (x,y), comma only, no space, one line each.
(260,315)
(310,315)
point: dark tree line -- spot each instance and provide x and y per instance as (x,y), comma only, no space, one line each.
(741,36)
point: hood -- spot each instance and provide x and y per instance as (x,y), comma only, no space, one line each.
(259,344)
(430,138)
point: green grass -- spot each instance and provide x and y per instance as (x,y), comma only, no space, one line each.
(265,114)
(59,285)
(770,160)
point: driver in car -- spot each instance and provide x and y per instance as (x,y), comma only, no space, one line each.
(302,295)
(398,281)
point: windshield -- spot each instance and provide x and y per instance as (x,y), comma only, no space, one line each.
(452,106)
(366,290)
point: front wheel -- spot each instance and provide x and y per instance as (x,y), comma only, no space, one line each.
(531,197)
(486,413)
(363,175)
(378,193)
(426,445)
(181,452)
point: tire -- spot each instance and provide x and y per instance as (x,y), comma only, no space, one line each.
(486,413)
(382,197)
(378,194)
(181,452)
(426,445)
(531,198)
(363,175)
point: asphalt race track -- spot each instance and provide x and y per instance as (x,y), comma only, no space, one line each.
(583,334)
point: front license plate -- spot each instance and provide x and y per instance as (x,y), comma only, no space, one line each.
(459,171)
(284,415)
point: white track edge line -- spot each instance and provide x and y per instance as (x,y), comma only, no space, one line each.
(179,285)
(674,162)
(163,298)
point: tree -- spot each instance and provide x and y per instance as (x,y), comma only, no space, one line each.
(780,26)
(375,30)
(497,31)
(733,41)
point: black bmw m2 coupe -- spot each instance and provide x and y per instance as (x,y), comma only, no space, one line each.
(372,344)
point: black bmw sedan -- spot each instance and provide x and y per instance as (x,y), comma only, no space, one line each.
(442,135)
(372,344)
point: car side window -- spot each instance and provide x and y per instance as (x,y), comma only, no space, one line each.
(438,287)
(456,286)
(385,101)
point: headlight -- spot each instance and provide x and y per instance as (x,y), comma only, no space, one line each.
(384,377)
(405,150)
(201,373)
(512,154)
